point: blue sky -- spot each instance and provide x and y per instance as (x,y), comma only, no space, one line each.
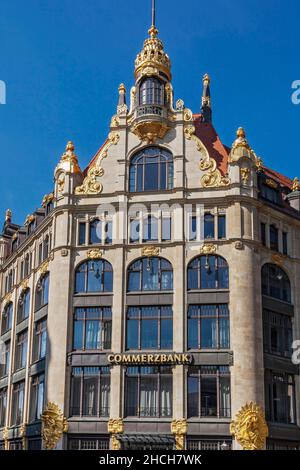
(62,61)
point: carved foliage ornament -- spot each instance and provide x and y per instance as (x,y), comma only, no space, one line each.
(213,177)
(179,429)
(90,184)
(54,424)
(250,428)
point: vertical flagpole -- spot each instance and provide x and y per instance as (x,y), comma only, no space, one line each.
(153,13)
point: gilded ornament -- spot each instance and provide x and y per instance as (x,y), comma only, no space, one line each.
(259,164)
(23,435)
(179,428)
(90,184)
(278,259)
(150,251)
(29,219)
(115,122)
(245,174)
(44,268)
(150,131)
(115,427)
(208,249)
(47,199)
(8,215)
(180,105)
(241,149)
(271,183)
(5,435)
(24,285)
(7,298)
(296,184)
(54,425)
(188,115)
(61,183)
(95,254)
(250,428)
(69,161)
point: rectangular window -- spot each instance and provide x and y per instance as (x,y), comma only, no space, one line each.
(150,229)
(209,226)
(273,238)
(148,392)
(221,227)
(40,253)
(95,232)
(108,232)
(90,391)
(285,243)
(39,340)
(280,399)
(21,350)
(193,228)
(88,443)
(81,235)
(3,406)
(5,359)
(278,334)
(17,403)
(209,391)
(7,318)
(37,397)
(149,328)
(166,229)
(263,235)
(208,327)
(134,231)
(92,328)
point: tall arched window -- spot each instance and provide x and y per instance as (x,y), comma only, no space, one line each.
(7,317)
(151,170)
(150,274)
(42,291)
(151,91)
(23,306)
(94,276)
(275,283)
(208,272)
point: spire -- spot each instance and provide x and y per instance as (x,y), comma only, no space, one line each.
(153,13)
(122,95)
(8,216)
(206,100)
(69,161)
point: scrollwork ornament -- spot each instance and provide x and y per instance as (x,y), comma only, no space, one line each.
(95,254)
(150,251)
(208,249)
(250,428)
(54,425)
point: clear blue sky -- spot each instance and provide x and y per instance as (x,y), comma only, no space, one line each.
(62,61)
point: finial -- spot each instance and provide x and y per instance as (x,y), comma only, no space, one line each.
(122,88)
(8,215)
(206,100)
(241,133)
(296,184)
(206,79)
(70,146)
(153,31)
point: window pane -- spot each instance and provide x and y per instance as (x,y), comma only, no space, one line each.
(166,401)
(209,226)
(132,397)
(221,226)
(193,397)
(193,333)
(78,335)
(166,341)
(166,228)
(133,281)
(96,232)
(149,334)
(208,333)
(134,231)
(208,396)
(132,334)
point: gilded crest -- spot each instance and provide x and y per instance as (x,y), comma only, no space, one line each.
(54,424)
(250,428)
(150,251)
(208,249)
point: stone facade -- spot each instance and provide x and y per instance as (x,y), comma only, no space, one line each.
(208,178)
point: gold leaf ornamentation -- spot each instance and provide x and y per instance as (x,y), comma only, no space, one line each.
(115,426)
(208,249)
(150,251)
(90,184)
(44,268)
(213,178)
(278,259)
(47,199)
(296,184)
(24,285)
(150,131)
(271,183)
(245,174)
(187,115)
(250,428)
(54,425)
(5,434)
(115,121)
(95,254)
(179,428)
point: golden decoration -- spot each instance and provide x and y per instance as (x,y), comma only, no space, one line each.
(150,131)
(150,251)
(259,164)
(69,161)
(132,100)
(115,121)
(271,183)
(7,298)
(47,199)
(24,285)
(241,149)
(115,426)
(153,56)
(90,184)
(296,184)
(23,435)
(213,178)
(44,268)
(179,428)
(208,249)
(54,424)
(61,183)
(15,236)
(5,434)
(250,428)
(170,98)
(95,254)
(278,259)
(245,174)
(29,219)
(187,115)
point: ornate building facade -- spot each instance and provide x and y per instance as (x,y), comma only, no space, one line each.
(154,298)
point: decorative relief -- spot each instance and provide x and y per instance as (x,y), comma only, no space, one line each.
(5,434)
(296,184)
(47,199)
(115,426)
(208,249)
(278,259)
(150,131)
(150,251)
(179,428)
(44,268)
(180,105)
(24,285)
(250,428)
(29,219)
(23,435)
(245,175)
(115,121)
(7,299)
(213,178)
(54,425)
(239,245)
(188,115)
(271,183)
(61,183)
(95,254)
(90,184)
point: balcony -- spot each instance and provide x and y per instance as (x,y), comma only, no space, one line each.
(150,122)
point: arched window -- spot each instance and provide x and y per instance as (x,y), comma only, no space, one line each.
(42,291)
(208,272)
(7,317)
(23,306)
(150,274)
(151,170)
(151,92)
(94,276)
(275,283)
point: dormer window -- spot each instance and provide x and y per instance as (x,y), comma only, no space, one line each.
(151,92)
